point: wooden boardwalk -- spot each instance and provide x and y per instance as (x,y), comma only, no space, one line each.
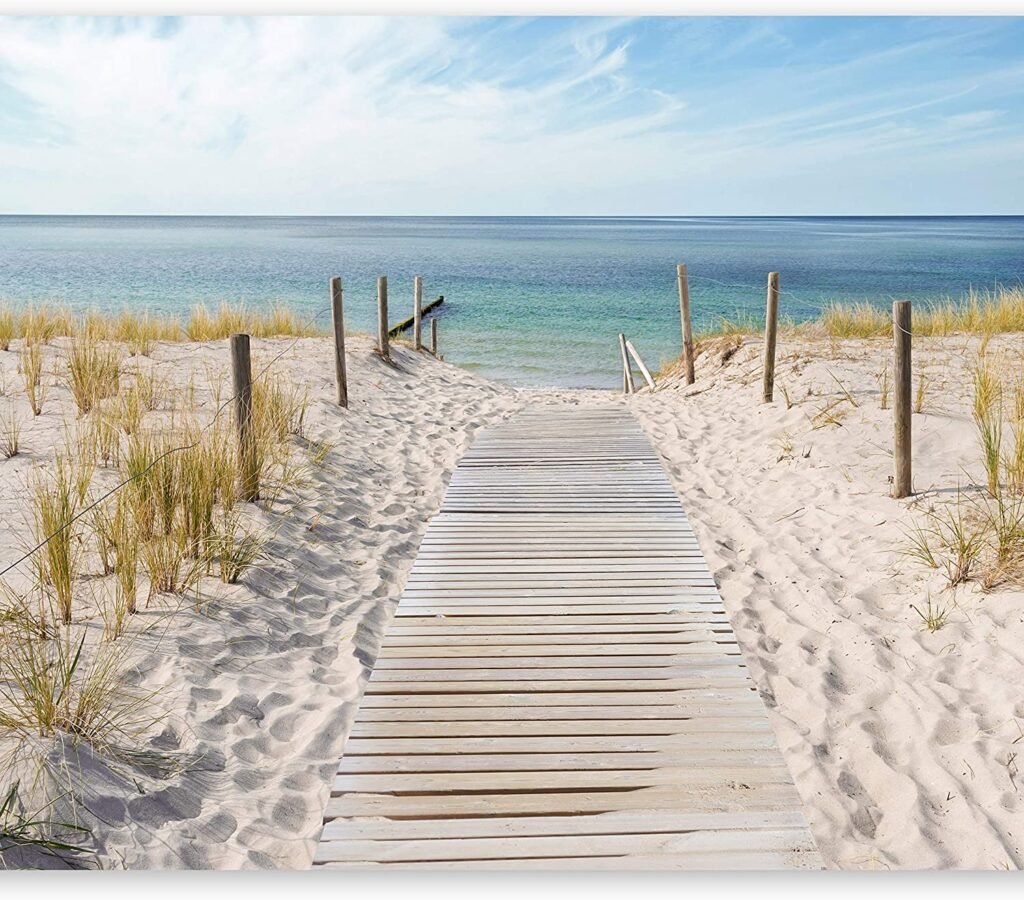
(560,687)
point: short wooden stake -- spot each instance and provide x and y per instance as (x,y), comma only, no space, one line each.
(433,336)
(627,374)
(684,315)
(338,319)
(383,345)
(902,336)
(640,365)
(417,313)
(771,325)
(241,376)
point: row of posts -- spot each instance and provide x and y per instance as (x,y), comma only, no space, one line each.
(241,368)
(902,369)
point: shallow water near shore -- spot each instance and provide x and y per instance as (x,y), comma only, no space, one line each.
(528,301)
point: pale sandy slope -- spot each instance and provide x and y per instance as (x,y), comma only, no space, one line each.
(902,743)
(259,688)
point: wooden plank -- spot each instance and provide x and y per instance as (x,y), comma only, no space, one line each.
(526,826)
(566,803)
(490,763)
(743,721)
(676,711)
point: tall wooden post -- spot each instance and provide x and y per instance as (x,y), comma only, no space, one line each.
(901,330)
(417,313)
(684,315)
(338,319)
(771,324)
(433,336)
(383,345)
(627,374)
(241,377)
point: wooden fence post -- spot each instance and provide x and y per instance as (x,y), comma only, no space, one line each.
(433,336)
(771,324)
(417,313)
(338,319)
(627,375)
(640,364)
(684,315)
(241,376)
(383,346)
(901,330)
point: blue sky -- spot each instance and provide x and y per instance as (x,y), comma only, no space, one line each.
(505,116)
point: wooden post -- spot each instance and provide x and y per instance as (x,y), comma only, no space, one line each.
(771,325)
(684,315)
(383,347)
(627,375)
(241,376)
(417,313)
(901,330)
(640,365)
(338,318)
(433,336)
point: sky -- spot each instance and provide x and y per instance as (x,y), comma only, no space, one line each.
(512,116)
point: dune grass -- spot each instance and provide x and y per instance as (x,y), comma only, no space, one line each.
(139,331)
(94,371)
(176,528)
(998,311)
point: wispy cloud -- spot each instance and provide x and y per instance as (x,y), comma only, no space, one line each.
(422,115)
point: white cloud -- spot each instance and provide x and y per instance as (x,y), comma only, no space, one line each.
(424,115)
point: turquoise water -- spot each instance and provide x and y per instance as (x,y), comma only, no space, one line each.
(528,301)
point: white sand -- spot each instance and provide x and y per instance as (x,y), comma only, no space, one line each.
(261,686)
(901,742)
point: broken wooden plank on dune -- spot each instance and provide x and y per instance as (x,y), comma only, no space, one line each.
(560,687)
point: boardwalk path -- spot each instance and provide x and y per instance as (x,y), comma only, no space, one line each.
(561,687)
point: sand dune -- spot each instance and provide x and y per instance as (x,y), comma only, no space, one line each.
(902,742)
(260,687)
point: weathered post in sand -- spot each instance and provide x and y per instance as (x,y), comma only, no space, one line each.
(433,336)
(627,375)
(771,324)
(383,345)
(417,313)
(684,315)
(902,335)
(338,320)
(241,376)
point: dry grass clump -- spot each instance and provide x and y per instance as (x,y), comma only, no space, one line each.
(140,331)
(988,417)
(32,372)
(94,371)
(56,498)
(8,328)
(205,324)
(41,324)
(53,683)
(10,434)
(991,312)
(980,535)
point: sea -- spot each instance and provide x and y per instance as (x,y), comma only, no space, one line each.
(528,301)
